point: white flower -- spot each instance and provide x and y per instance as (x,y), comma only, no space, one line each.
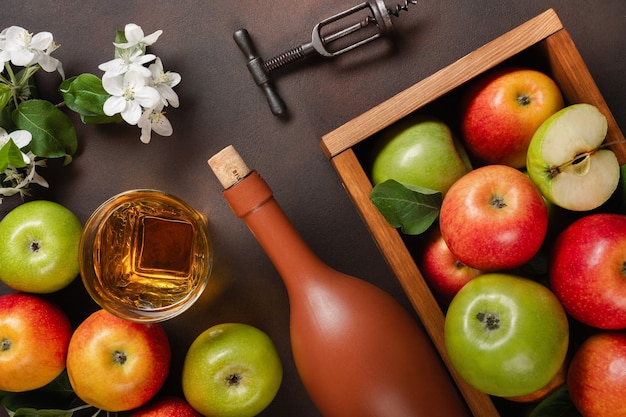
(22,179)
(135,37)
(164,83)
(154,120)
(5,56)
(23,48)
(48,63)
(21,138)
(132,60)
(129,93)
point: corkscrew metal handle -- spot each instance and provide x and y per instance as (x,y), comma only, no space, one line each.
(259,73)
(378,14)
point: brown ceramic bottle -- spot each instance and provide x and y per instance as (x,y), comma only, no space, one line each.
(357,351)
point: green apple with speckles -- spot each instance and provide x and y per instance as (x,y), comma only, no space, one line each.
(420,151)
(39,247)
(231,370)
(567,160)
(506,335)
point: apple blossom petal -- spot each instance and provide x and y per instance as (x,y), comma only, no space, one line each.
(48,63)
(41,41)
(114,105)
(113,84)
(131,113)
(168,94)
(22,57)
(114,66)
(133,33)
(21,138)
(147,97)
(152,38)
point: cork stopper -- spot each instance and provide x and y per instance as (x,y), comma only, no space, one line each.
(228,166)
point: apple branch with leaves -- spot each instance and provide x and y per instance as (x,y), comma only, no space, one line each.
(33,130)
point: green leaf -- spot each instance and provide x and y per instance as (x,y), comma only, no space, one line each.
(85,95)
(101,119)
(557,404)
(56,395)
(6,120)
(33,412)
(10,155)
(413,209)
(53,132)
(5,95)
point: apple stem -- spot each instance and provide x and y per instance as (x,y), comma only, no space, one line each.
(491,321)
(5,345)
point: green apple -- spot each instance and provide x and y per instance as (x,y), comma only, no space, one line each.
(420,151)
(567,161)
(39,247)
(231,370)
(506,335)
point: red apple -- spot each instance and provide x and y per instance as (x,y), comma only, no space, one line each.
(166,407)
(443,272)
(587,271)
(502,112)
(115,364)
(596,378)
(493,218)
(34,338)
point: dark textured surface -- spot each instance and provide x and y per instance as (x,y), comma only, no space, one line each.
(220,105)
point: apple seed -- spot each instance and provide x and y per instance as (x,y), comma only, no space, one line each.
(491,321)
(5,344)
(580,163)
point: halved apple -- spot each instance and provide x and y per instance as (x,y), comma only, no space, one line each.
(568,162)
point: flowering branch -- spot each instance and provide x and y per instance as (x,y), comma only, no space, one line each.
(129,91)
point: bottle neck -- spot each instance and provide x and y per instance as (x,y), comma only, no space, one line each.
(252,200)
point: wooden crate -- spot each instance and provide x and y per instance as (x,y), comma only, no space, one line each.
(554,52)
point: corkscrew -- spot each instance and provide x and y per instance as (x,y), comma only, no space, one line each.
(331,37)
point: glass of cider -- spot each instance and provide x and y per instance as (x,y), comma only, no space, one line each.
(145,255)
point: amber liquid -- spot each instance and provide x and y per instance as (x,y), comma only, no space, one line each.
(149,254)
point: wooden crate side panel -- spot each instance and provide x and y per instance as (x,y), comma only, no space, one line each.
(440,83)
(401,262)
(578,86)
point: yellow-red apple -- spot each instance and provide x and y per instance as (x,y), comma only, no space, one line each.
(34,339)
(597,376)
(503,110)
(115,364)
(494,218)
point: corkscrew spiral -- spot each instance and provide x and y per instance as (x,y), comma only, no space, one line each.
(400,7)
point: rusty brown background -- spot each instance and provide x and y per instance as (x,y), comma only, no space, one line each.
(220,105)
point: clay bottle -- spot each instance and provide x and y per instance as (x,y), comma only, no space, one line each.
(357,351)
